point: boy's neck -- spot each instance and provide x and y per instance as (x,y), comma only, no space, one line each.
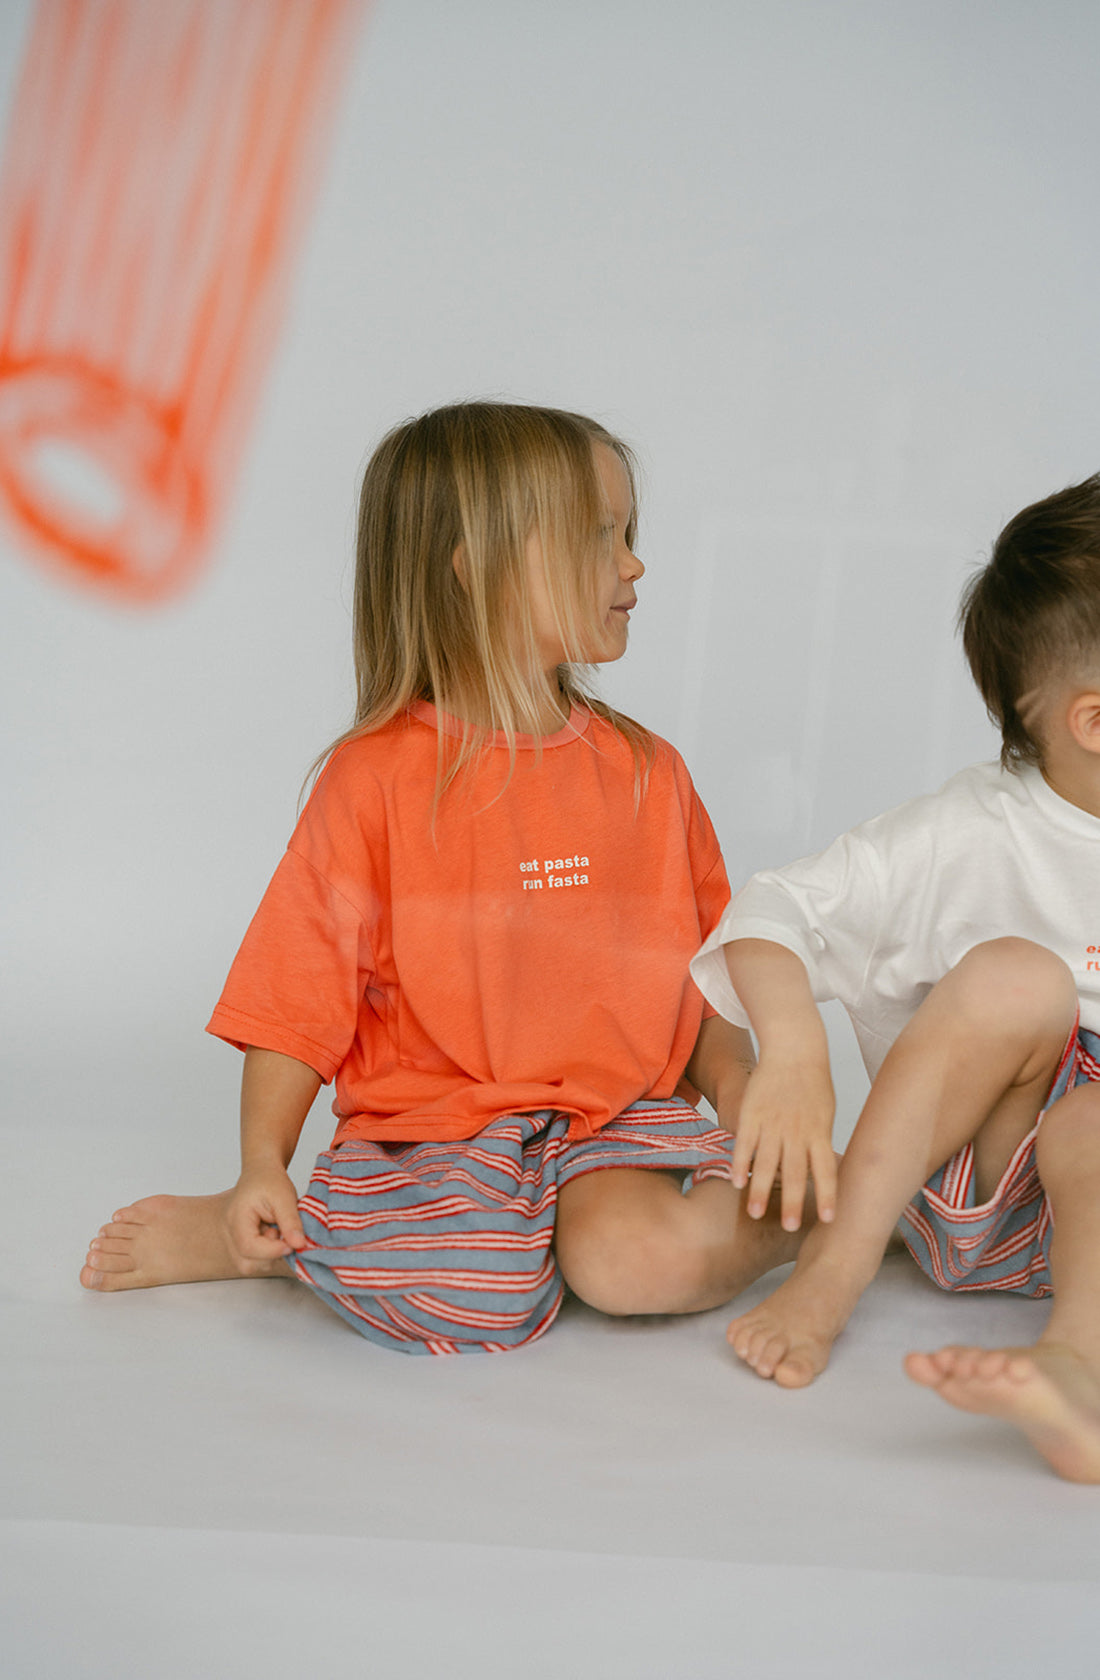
(1075,782)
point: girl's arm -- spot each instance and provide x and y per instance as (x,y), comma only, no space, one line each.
(276,1095)
(786,1118)
(720,1066)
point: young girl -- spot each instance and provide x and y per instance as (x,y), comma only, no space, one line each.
(481,931)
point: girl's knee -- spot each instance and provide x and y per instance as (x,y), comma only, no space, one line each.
(623,1260)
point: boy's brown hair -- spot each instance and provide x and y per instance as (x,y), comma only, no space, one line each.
(1033,613)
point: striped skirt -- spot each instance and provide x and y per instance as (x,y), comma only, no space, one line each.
(1003,1243)
(447,1247)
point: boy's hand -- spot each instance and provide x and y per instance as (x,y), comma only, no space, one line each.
(263,1215)
(785,1127)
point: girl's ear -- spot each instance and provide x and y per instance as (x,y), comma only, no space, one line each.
(458,561)
(1084,720)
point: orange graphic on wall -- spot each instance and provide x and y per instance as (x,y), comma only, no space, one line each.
(159,160)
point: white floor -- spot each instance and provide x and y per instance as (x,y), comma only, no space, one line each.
(223,1480)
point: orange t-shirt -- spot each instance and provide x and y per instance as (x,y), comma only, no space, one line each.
(528,950)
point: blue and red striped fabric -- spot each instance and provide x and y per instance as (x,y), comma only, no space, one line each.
(446,1247)
(1003,1243)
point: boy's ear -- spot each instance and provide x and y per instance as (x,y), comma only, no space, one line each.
(1084,720)
(458,561)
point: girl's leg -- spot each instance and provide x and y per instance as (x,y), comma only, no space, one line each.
(169,1239)
(628,1240)
(1052,1390)
(974,1063)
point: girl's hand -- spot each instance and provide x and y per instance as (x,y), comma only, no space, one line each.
(263,1215)
(785,1128)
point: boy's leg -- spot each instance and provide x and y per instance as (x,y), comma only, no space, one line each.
(628,1240)
(169,1239)
(973,1064)
(1052,1390)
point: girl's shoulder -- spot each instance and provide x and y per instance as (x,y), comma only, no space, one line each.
(630,736)
(362,766)
(372,750)
(660,782)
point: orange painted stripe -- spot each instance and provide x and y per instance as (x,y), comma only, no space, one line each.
(156,174)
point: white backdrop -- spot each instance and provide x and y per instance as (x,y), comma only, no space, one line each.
(830,264)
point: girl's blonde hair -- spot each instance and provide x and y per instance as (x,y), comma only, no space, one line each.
(475,480)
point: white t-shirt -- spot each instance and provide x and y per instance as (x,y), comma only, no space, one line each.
(885,911)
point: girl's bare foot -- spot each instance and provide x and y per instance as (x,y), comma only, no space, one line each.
(169,1239)
(789,1336)
(1050,1391)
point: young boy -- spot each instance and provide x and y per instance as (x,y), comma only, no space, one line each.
(961,931)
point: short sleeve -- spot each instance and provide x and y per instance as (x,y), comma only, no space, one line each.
(297,980)
(825,908)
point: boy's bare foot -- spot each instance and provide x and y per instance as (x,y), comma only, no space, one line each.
(169,1239)
(1049,1391)
(789,1336)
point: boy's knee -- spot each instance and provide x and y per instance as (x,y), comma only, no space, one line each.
(1013,979)
(1070,1132)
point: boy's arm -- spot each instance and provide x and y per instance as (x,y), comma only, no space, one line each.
(786,1117)
(720,1065)
(276,1095)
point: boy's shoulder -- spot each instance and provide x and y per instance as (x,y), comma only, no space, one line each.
(978,807)
(982,814)
(979,794)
